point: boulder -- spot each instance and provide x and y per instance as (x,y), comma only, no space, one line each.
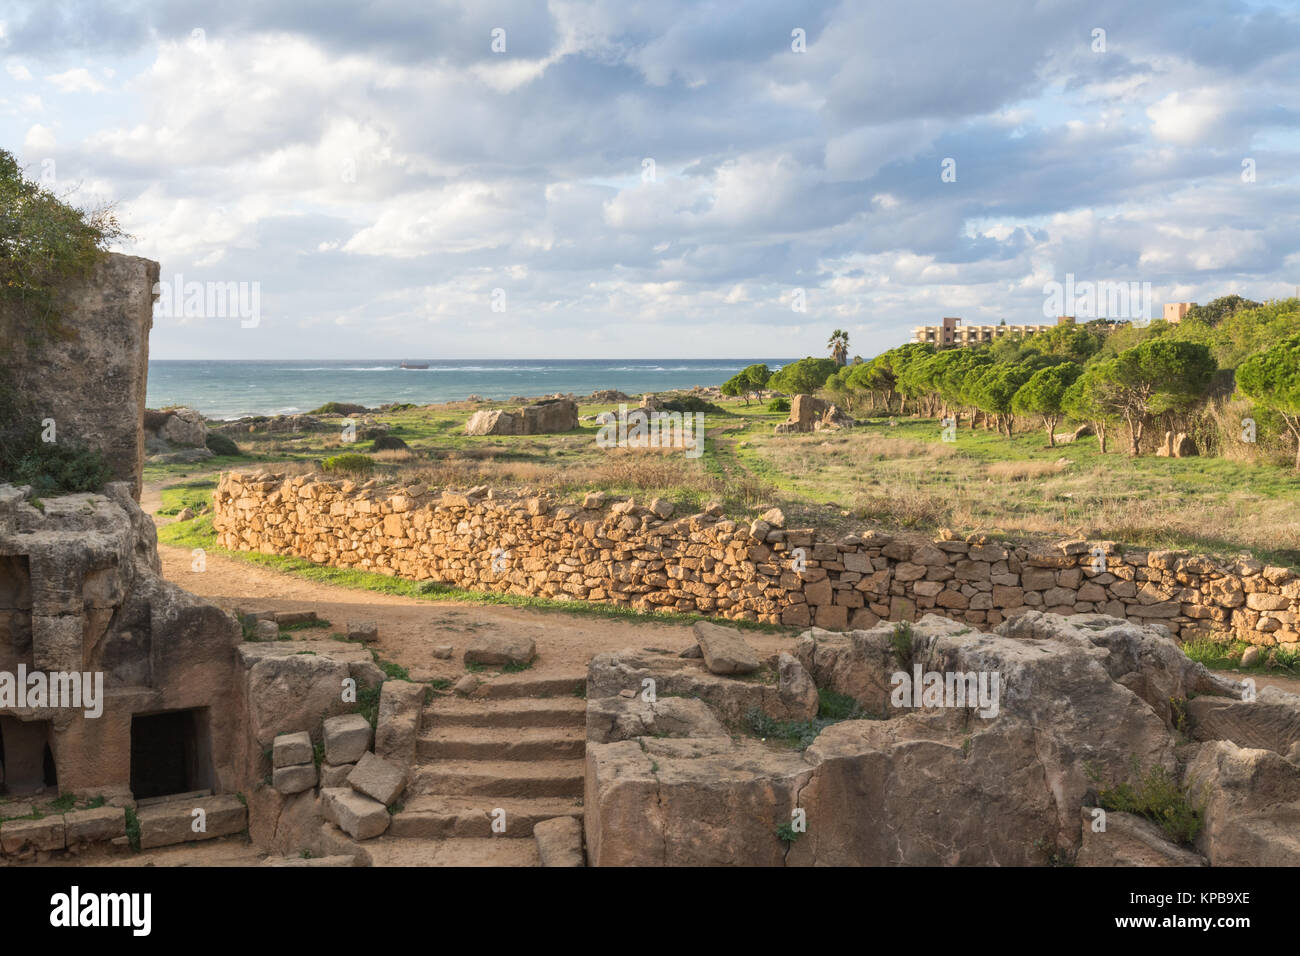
(725,651)
(625,718)
(1129,840)
(294,779)
(1023,761)
(498,650)
(1270,722)
(98,825)
(796,688)
(1252,805)
(176,821)
(559,841)
(25,837)
(184,426)
(354,813)
(377,778)
(347,737)
(288,691)
(289,750)
(805,414)
(541,418)
(398,723)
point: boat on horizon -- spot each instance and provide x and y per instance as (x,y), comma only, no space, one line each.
(415,365)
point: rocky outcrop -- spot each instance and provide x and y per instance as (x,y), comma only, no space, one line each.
(1007,776)
(90,377)
(80,591)
(542,418)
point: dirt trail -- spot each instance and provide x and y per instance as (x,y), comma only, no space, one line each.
(410,628)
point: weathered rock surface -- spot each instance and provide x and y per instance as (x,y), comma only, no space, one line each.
(498,650)
(1270,722)
(540,418)
(166,824)
(288,750)
(725,651)
(398,722)
(1252,805)
(1129,840)
(377,778)
(347,737)
(995,781)
(624,718)
(559,841)
(356,814)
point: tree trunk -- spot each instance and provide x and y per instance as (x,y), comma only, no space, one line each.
(1101,435)
(1051,431)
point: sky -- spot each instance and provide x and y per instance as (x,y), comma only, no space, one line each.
(487,179)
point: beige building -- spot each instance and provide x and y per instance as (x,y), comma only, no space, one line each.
(953,333)
(1176,311)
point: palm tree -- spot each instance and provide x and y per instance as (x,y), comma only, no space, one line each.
(839,346)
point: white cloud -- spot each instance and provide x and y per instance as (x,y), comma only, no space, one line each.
(79,80)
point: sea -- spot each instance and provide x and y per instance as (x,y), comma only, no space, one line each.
(233,389)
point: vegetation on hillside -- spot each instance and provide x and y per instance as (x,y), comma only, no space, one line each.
(44,243)
(1227,375)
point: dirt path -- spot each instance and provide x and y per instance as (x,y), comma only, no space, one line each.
(410,628)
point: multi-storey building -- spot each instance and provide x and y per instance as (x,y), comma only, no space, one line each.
(952,333)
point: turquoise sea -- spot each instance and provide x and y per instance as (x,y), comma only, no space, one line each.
(232,389)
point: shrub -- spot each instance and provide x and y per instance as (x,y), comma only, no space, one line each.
(1159,798)
(219,444)
(690,404)
(351,464)
(389,443)
(779,405)
(339,408)
(50,468)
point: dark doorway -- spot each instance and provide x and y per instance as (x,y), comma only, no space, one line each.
(169,753)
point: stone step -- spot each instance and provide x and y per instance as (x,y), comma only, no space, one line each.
(462,742)
(389,850)
(526,712)
(526,685)
(500,778)
(437,816)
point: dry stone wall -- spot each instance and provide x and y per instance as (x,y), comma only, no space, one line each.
(620,552)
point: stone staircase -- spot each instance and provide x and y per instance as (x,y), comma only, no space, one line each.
(517,746)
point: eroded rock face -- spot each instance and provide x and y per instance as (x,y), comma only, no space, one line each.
(540,418)
(80,591)
(91,379)
(1252,805)
(1080,703)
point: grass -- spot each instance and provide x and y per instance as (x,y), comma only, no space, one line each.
(1226,655)
(193,494)
(133,829)
(1158,797)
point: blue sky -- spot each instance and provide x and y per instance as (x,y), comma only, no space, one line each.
(378,170)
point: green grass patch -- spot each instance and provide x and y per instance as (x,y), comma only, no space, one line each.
(133,828)
(1158,797)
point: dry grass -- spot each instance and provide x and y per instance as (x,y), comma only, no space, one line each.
(1025,470)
